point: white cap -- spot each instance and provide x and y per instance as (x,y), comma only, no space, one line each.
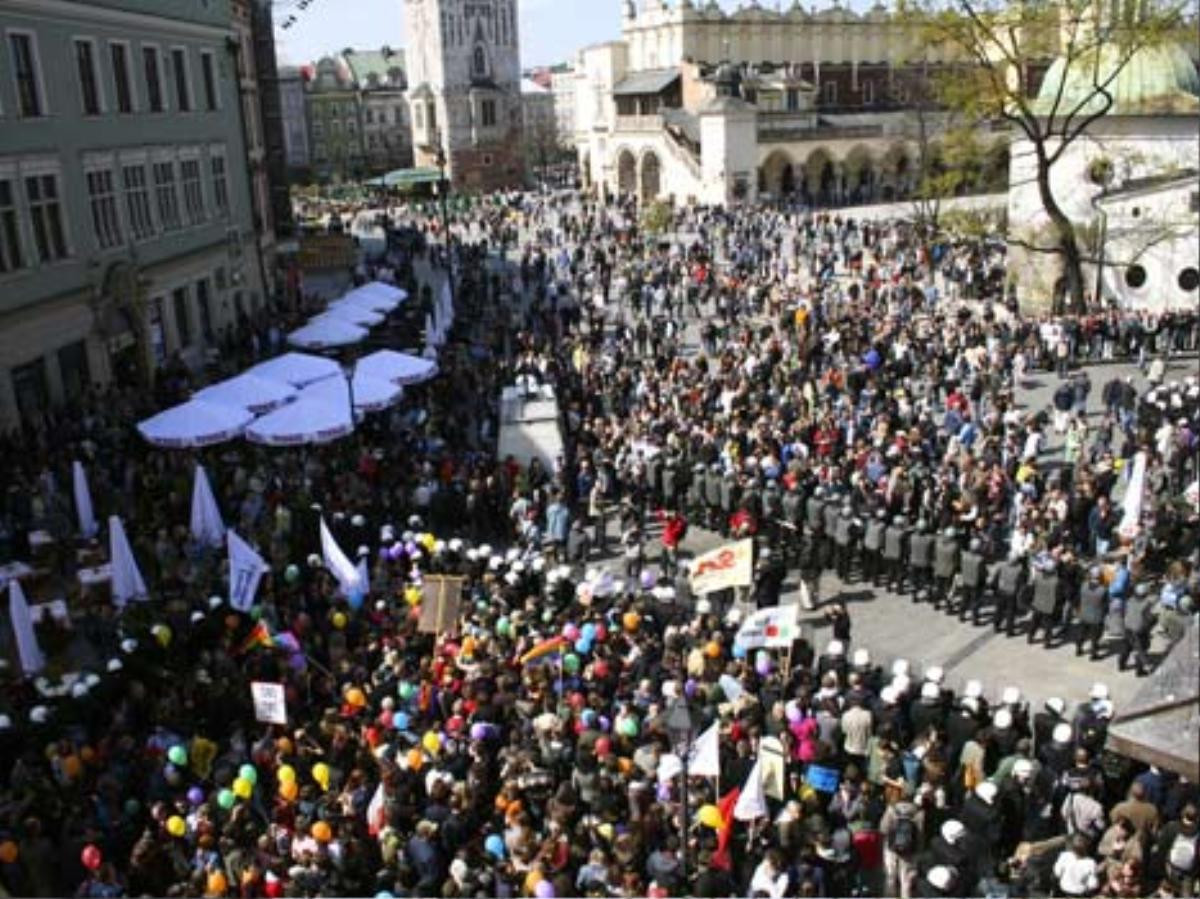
(358,521)
(513,554)
(1056,705)
(939,877)
(197,616)
(862,658)
(362,551)
(901,683)
(934,674)
(1011,696)
(888,695)
(953,830)
(215,602)
(835,648)
(1022,768)
(703,607)
(454,545)
(971,704)
(1061,733)
(900,667)
(79,689)
(733,616)
(38,714)
(114,665)
(128,645)
(670,689)
(929,690)
(973,689)
(1002,719)
(1098,691)
(986,791)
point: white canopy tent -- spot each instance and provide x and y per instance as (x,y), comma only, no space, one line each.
(352,313)
(391,291)
(194,423)
(297,369)
(249,391)
(371,394)
(375,300)
(400,368)
(326,331)
(316,417)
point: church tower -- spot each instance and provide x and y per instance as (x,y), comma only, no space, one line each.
(464,89)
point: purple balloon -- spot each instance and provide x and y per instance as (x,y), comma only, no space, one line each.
(663,792)
(604,723)
(647,580)
(396,552)
(384,553)
(479,731)
(297,662)
(195,795)
(762,666)
(544,889)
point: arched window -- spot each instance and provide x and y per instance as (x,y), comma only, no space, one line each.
(479,62)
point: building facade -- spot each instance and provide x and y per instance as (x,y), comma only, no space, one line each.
(387,135)
(562,85)
(464,77)
(294,110)
(335,122)
(126,226)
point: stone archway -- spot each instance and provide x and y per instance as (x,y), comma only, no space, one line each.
(650,177)
(779,173)
(859,171)
(895,165)
(819,177)
(626,173)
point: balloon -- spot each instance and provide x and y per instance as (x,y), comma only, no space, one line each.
(415,760)
(286,774)
(762,666)
(663,792)
(647,580)
(400,721)
(177,755)
(503,627)
(407,691)
(588,718)
(91,857)
(712,649)
(588,632)
(356,698)
(297,662)
(291,574)
(628,727)
(8,852)
(339,620)
(494,845)
(690,687)
(322,832)
(710,816)
(432,742)
(72,766)
(162,634)
(176,826)
(248,772)
(479,731)
(603,747)
(582,646)
(217,884)
(739,651)
(242,788)
(604,723)
(289,790)
(601,632)
(544,889)
(195,796)
(571,663)
(321,774)
(630,621)
(571,632)
(225,799)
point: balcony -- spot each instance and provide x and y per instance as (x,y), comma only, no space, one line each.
(632,123)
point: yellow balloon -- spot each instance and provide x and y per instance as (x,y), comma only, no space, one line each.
(427,542)
(176,826)
(412,595)
(320,773)
(242,788)
(286,774)
(339,620)
(432,742)
(162,634)
(710,816)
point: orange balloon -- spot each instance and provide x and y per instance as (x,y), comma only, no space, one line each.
(8,852)
(322,832)
(713,649)
(217,884)
(415,759)
(289,790)
(72,767)
(631,620)
(356,697)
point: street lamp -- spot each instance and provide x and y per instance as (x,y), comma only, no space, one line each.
(444,196)
(681,730)
(348,368)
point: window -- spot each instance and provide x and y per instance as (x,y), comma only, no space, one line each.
(137,201)
(89,81)
(370,117)
(478,63)
(153,69)
(220,185)
(183,89)
(183,321)
(1135,276)
(793,99)
(829,92)
(45,214)
(1189,279)
(165,195)
(868,93)
(193,194)
(420,116)
(121,79)
(206,327)
(103,200)
(73,370)
(11,257)
(209,76)
(28,78)
(488,113)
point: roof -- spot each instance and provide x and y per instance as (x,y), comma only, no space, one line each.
(1154,80)
(404,177)
(382,65)
(529,86)
(651,81)
(1155,727)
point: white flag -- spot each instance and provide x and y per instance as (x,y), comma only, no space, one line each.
(207,526)
(772,628)
(246,568)
(127,580)
(1134,490)
(752,803)
(339,566)
(704,758)
(376,812)
(364,576)
(83,501)
(30,654)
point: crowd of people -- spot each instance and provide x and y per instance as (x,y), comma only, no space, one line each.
(821,386)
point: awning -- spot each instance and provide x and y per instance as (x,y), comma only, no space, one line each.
(406,177)
(652,81)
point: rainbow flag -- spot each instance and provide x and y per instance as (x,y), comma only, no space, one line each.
(544,651)
(259,636)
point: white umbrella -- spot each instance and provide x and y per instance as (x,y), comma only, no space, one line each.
(83,501)
(297,369)
(194,423)
(354,314)
(371,394)
(127,582)
(249,391)
(311,419)
(207,526)
(398,367)
(383,289)
(379,298)
(32,660)
(326,331)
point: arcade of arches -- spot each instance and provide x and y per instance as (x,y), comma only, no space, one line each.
(639,176)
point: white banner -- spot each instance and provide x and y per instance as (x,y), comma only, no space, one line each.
(704,759)
(772,628)
(270,704)
(752,803)
(246,568)
(731,565)
(339,566)
(1134,490)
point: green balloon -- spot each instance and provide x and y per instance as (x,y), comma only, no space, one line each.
(571,663)
(629,728)
(248,773)
(406,690)
(502,628)
(226,799)
(178,756)
(292,573)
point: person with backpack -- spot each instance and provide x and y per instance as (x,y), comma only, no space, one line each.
(901,828)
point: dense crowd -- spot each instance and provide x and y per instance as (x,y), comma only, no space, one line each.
(837,391)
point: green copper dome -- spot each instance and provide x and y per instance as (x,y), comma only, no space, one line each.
(1157,80)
